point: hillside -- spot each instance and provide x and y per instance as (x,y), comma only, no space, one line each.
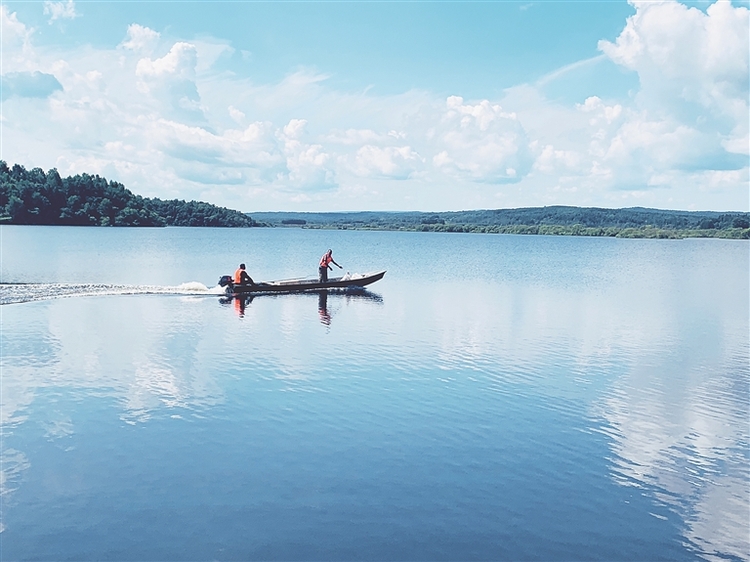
(33,197)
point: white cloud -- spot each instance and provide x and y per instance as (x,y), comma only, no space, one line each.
(686,129)
(253,147)
(171,81)
(307,165)
(690,116)
(551,161)
(179,63)
(236,114)
(60,10)
(395,162)
(171,116)
(692,66)
(15,35)
(140,38)
(294,129)
(480,142)
(596,106)
(353,137)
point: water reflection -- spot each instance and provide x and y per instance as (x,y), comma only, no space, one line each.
(240,302)
(687,442)
(325,316)
(678,420)
(14,463)
(455,409)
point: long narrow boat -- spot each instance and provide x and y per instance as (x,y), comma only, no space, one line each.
(298,285)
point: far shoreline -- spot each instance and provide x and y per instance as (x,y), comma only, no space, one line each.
(634,222)
(33,197)
(645,232)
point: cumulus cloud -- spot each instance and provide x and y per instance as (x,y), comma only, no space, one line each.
(686,129)
(307,165)
(393,162)
(171,80)
(149,109)
(706,52)
(255,146)
(60,10)
(236,114)
(14,33)
(178,63)
(689,119)
(480,142)
(692,66)
(140,38)
(551,160)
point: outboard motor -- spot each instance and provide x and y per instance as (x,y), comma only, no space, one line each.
(225,280)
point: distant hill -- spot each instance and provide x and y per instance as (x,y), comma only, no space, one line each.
(33,197)
(36,197)
(636,222)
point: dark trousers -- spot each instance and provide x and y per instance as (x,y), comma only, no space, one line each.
(322,274)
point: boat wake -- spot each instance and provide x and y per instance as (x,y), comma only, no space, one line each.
(15,293)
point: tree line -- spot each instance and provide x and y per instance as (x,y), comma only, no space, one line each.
(594,217)
(35,197)
(636,222)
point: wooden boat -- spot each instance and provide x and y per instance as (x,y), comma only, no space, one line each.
(299,285)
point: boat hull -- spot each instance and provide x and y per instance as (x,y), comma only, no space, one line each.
(301,285)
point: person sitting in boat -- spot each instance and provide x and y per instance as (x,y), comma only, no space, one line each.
(241,277)
(325,265)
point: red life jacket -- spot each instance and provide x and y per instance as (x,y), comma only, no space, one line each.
(325,260)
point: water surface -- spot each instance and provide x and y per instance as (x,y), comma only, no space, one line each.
(493,397)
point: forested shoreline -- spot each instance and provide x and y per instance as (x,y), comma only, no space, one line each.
(35,197)
(636,222)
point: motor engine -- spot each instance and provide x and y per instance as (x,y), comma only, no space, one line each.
(225,280)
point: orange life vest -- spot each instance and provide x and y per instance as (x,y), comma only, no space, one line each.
(325,260)
(238,276)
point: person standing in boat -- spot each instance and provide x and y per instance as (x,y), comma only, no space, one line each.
(241,277)
(325,265)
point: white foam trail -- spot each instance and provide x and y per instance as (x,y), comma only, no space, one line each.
(195,287)
(198,287)
(27,292)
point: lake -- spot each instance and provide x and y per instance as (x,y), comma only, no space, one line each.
(494,397)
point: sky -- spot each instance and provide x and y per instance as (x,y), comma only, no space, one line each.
(385,105)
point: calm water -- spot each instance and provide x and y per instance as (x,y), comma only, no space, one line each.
(493,397)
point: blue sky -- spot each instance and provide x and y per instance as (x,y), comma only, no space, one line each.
(452,48)
(385,105)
